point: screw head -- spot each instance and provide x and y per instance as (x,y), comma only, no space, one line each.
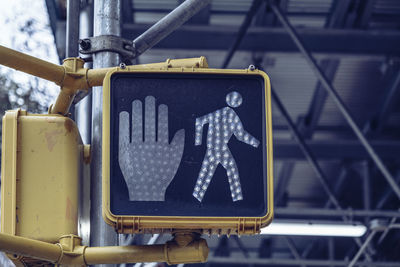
(252,67)
(122,65)
(84,44)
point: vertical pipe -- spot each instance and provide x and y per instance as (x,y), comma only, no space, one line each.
(366,180)
(106,21)
(83,117)
(72,49)
(72,36)
(331,249)
(336,98)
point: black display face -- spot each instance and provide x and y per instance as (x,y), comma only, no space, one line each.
(188,145)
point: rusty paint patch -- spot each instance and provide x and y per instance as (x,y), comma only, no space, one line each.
(69,125)
(70,212)
(51,138)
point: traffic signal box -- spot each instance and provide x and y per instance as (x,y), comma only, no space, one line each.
(187,148)
(40,168)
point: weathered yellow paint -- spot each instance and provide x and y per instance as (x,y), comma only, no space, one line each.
(41,158)
(184,248)
(211,225)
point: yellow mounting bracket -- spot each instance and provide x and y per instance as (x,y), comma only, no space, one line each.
(185,247)
(71,76)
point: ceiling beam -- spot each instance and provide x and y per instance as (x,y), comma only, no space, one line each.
(335,149)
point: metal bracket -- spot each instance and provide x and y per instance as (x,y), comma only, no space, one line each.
(111,43)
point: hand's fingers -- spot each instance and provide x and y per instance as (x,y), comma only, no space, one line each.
(137,121)
(150,119)
(123,130)
(162,135)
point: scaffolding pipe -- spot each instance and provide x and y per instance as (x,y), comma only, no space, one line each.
(242,32)
(167,25)
(362,248)
(336,98)
(72,31)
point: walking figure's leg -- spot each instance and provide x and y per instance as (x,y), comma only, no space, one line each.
(206,173)
(228,162)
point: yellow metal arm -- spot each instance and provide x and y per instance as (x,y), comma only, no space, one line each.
(72,76)
(31,65)
(30,248)
(184,248)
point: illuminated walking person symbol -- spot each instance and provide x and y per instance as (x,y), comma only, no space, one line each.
(223,123)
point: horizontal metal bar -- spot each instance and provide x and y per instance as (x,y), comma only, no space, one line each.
(281,213)
(168,24)
(275,39)
(335,149)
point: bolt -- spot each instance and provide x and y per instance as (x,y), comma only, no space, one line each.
(122,65)
(84,44)
(252,67)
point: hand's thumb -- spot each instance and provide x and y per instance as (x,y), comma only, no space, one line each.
(179,140)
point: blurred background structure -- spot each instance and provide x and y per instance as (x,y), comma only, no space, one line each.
(335,72)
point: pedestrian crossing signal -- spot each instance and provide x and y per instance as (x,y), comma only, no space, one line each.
(187,149)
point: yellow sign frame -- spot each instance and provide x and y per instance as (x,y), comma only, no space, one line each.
(159,224)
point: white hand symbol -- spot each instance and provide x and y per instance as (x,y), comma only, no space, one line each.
(148,165)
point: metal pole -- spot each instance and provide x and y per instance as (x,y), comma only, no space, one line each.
(366,180)
(336,98)
(168,24)
(72,49)
(72,36)
(331,249)
(83,118)
(106,21)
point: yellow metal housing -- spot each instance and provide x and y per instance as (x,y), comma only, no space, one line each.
(41,157)
(208,225)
